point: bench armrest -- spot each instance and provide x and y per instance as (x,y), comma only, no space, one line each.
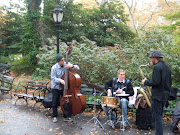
(40,89)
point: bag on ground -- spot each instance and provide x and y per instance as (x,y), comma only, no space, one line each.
(144,118)
(47,102)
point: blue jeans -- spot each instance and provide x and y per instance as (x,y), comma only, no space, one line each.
(157,114)
(122,102)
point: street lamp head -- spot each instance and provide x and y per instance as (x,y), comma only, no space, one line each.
(58,15)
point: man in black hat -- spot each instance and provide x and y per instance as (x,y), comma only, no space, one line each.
(161,84)
(57,71)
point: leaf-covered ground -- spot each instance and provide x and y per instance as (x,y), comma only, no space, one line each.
(23,120)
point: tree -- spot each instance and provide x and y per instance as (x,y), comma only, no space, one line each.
(70,26)
(31,39)
(173,29)
(147,13)
(107,24)
(11,29)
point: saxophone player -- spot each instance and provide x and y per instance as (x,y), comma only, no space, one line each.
(161,84)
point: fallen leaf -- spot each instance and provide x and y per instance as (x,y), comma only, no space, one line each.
(1,121)
(50,130)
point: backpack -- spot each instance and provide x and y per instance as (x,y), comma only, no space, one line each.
(47,102)
(172,93)
(144,118)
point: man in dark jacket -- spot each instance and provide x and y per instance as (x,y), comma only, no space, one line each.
(161,84)
(119,85)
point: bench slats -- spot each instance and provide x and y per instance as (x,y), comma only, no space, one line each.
(36,82)
(32,90)
(34,86)
(4,88)
(20,94)
(6,83)
(85,90)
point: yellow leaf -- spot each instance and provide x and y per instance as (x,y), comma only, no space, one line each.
(1,121)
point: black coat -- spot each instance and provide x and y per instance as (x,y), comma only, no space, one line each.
(176,117)
(161,81)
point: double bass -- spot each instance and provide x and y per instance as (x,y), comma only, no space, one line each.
(71,91)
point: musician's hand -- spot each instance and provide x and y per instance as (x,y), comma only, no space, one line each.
(119,90)
(109,93)
(67,66)
(143,80)
(62,81)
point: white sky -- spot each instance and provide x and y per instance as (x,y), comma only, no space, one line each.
(7,2)
(140,2)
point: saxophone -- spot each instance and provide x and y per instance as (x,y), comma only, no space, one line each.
(147,94)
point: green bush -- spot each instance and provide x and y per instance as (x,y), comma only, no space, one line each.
(98,64)
(22,65)
(4,59)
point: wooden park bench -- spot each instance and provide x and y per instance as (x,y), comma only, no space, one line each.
(87,91)
(93,98)
(33,90)
(6,83)
(5,69)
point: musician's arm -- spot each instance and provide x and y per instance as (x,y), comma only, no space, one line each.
(76,67)
(109,93)
(108,87)
(108,84)
(54,78)
(129,89)
(72,66)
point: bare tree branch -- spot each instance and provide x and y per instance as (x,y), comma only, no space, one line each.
(167,3)
(131,11)
(149,18)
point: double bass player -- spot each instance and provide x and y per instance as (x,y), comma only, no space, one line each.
(57,71)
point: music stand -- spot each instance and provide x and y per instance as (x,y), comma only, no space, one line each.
(94,115)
